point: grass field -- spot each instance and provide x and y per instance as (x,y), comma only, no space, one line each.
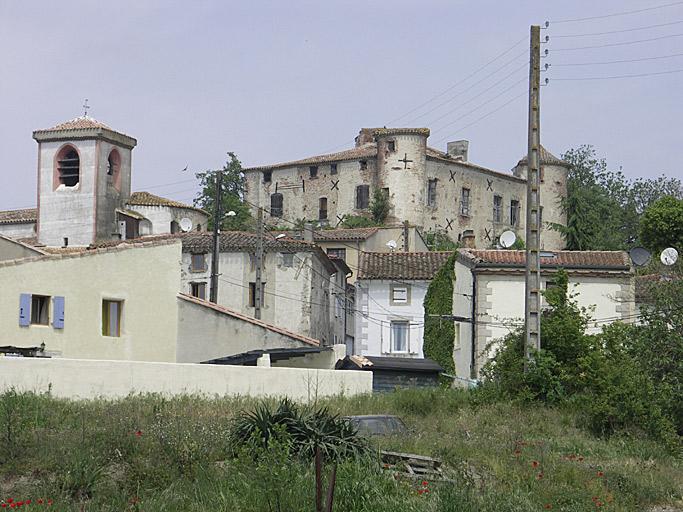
(151,454)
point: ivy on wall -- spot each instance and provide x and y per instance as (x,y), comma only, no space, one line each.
(439,334)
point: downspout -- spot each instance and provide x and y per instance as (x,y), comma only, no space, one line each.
(473,355)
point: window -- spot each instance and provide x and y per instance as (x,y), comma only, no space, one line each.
(399,336)
(431,192)
(40,310)
(111,317)
(276,205)
(113,163)
(267,176)
(385,191)
(514,212)
(198,263)
(252,294)
(362,197)
(340,254)
(333,168)
(497,208)
(391,145)
(322,208)
(313,171)
(400,294)
(198,290)
(288,259)
(363,165)
(68,166)
(465,201)
(175,227)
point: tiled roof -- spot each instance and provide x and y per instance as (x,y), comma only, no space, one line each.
(24,216)
(147,199)
(242,241)
(420,266)
(364,151)
(351,234)
(445,157)
(221,309)
(78,123)
(546,158)
(617,260)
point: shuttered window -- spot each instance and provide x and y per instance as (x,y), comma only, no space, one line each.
(362,197)
(276,205)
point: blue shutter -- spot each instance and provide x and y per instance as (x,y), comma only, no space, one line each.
(58,312)
(25,309)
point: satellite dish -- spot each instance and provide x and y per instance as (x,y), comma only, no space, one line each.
(507,239)
(639,256)
(669,256)
(391,244)
(185,224)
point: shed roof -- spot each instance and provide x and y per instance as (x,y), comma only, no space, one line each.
(250,357)
(365,151)
(225,311)
(418,266)
(616,260)
(24,216)
(373,363)
(147,199)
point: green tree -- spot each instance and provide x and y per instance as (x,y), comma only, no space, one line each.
(438,240)
(662,224)
(232,195)
(380,206)
(439,334)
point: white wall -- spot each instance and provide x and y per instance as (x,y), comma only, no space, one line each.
(145,277)
(81,379)
(500,306)
(373,298)
(162,216)
(23,230)
(462,306)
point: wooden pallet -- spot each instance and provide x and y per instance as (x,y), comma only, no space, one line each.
(419,467)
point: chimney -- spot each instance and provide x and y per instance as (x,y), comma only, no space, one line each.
(458,149)
(308,232)
(468,239)
(364,136)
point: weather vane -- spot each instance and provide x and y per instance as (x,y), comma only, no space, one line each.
(85,108)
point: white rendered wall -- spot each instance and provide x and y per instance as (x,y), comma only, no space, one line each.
(26,230)
(81,379)
(373,299)
(162,216)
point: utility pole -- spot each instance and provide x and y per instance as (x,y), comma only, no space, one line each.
(532,288)
(258,285)
(406,233)
(213,293)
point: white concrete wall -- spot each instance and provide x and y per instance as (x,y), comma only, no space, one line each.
(295,295)
(67,211)
(79,379)
(162,216)
(373,333)
(149,319)
(204,334)
(462,303)
(24,230)
(500,307)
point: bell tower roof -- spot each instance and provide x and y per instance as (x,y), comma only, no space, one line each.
(84,127)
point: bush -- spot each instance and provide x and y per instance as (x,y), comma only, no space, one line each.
(439,334)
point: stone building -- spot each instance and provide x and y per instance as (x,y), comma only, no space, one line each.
(428,188)
(84,191)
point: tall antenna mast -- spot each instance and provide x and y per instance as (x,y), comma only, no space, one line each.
(86,107)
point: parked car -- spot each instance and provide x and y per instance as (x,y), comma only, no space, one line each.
(378,425)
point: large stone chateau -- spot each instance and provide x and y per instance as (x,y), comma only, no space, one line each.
(428,188)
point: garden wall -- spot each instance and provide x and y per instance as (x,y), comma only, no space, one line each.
(85,379)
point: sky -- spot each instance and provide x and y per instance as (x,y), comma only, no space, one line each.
(275,81)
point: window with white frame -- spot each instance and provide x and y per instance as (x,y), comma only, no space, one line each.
(399,335)
(400,294)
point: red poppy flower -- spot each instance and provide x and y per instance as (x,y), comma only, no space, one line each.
(539,476)
(4,505)
(40,501)
(50,502)
(517,452)
(600,474)
(425,483)
(12,505)
(534,463)
(138,433)
(420,491)
(547,506)
(28,502)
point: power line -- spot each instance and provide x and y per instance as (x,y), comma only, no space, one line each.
(623,61)
(622,13)
(619,31)
(450,88)
(638,75)
(624,43)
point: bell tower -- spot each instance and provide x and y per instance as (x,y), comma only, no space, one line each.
(84,175)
